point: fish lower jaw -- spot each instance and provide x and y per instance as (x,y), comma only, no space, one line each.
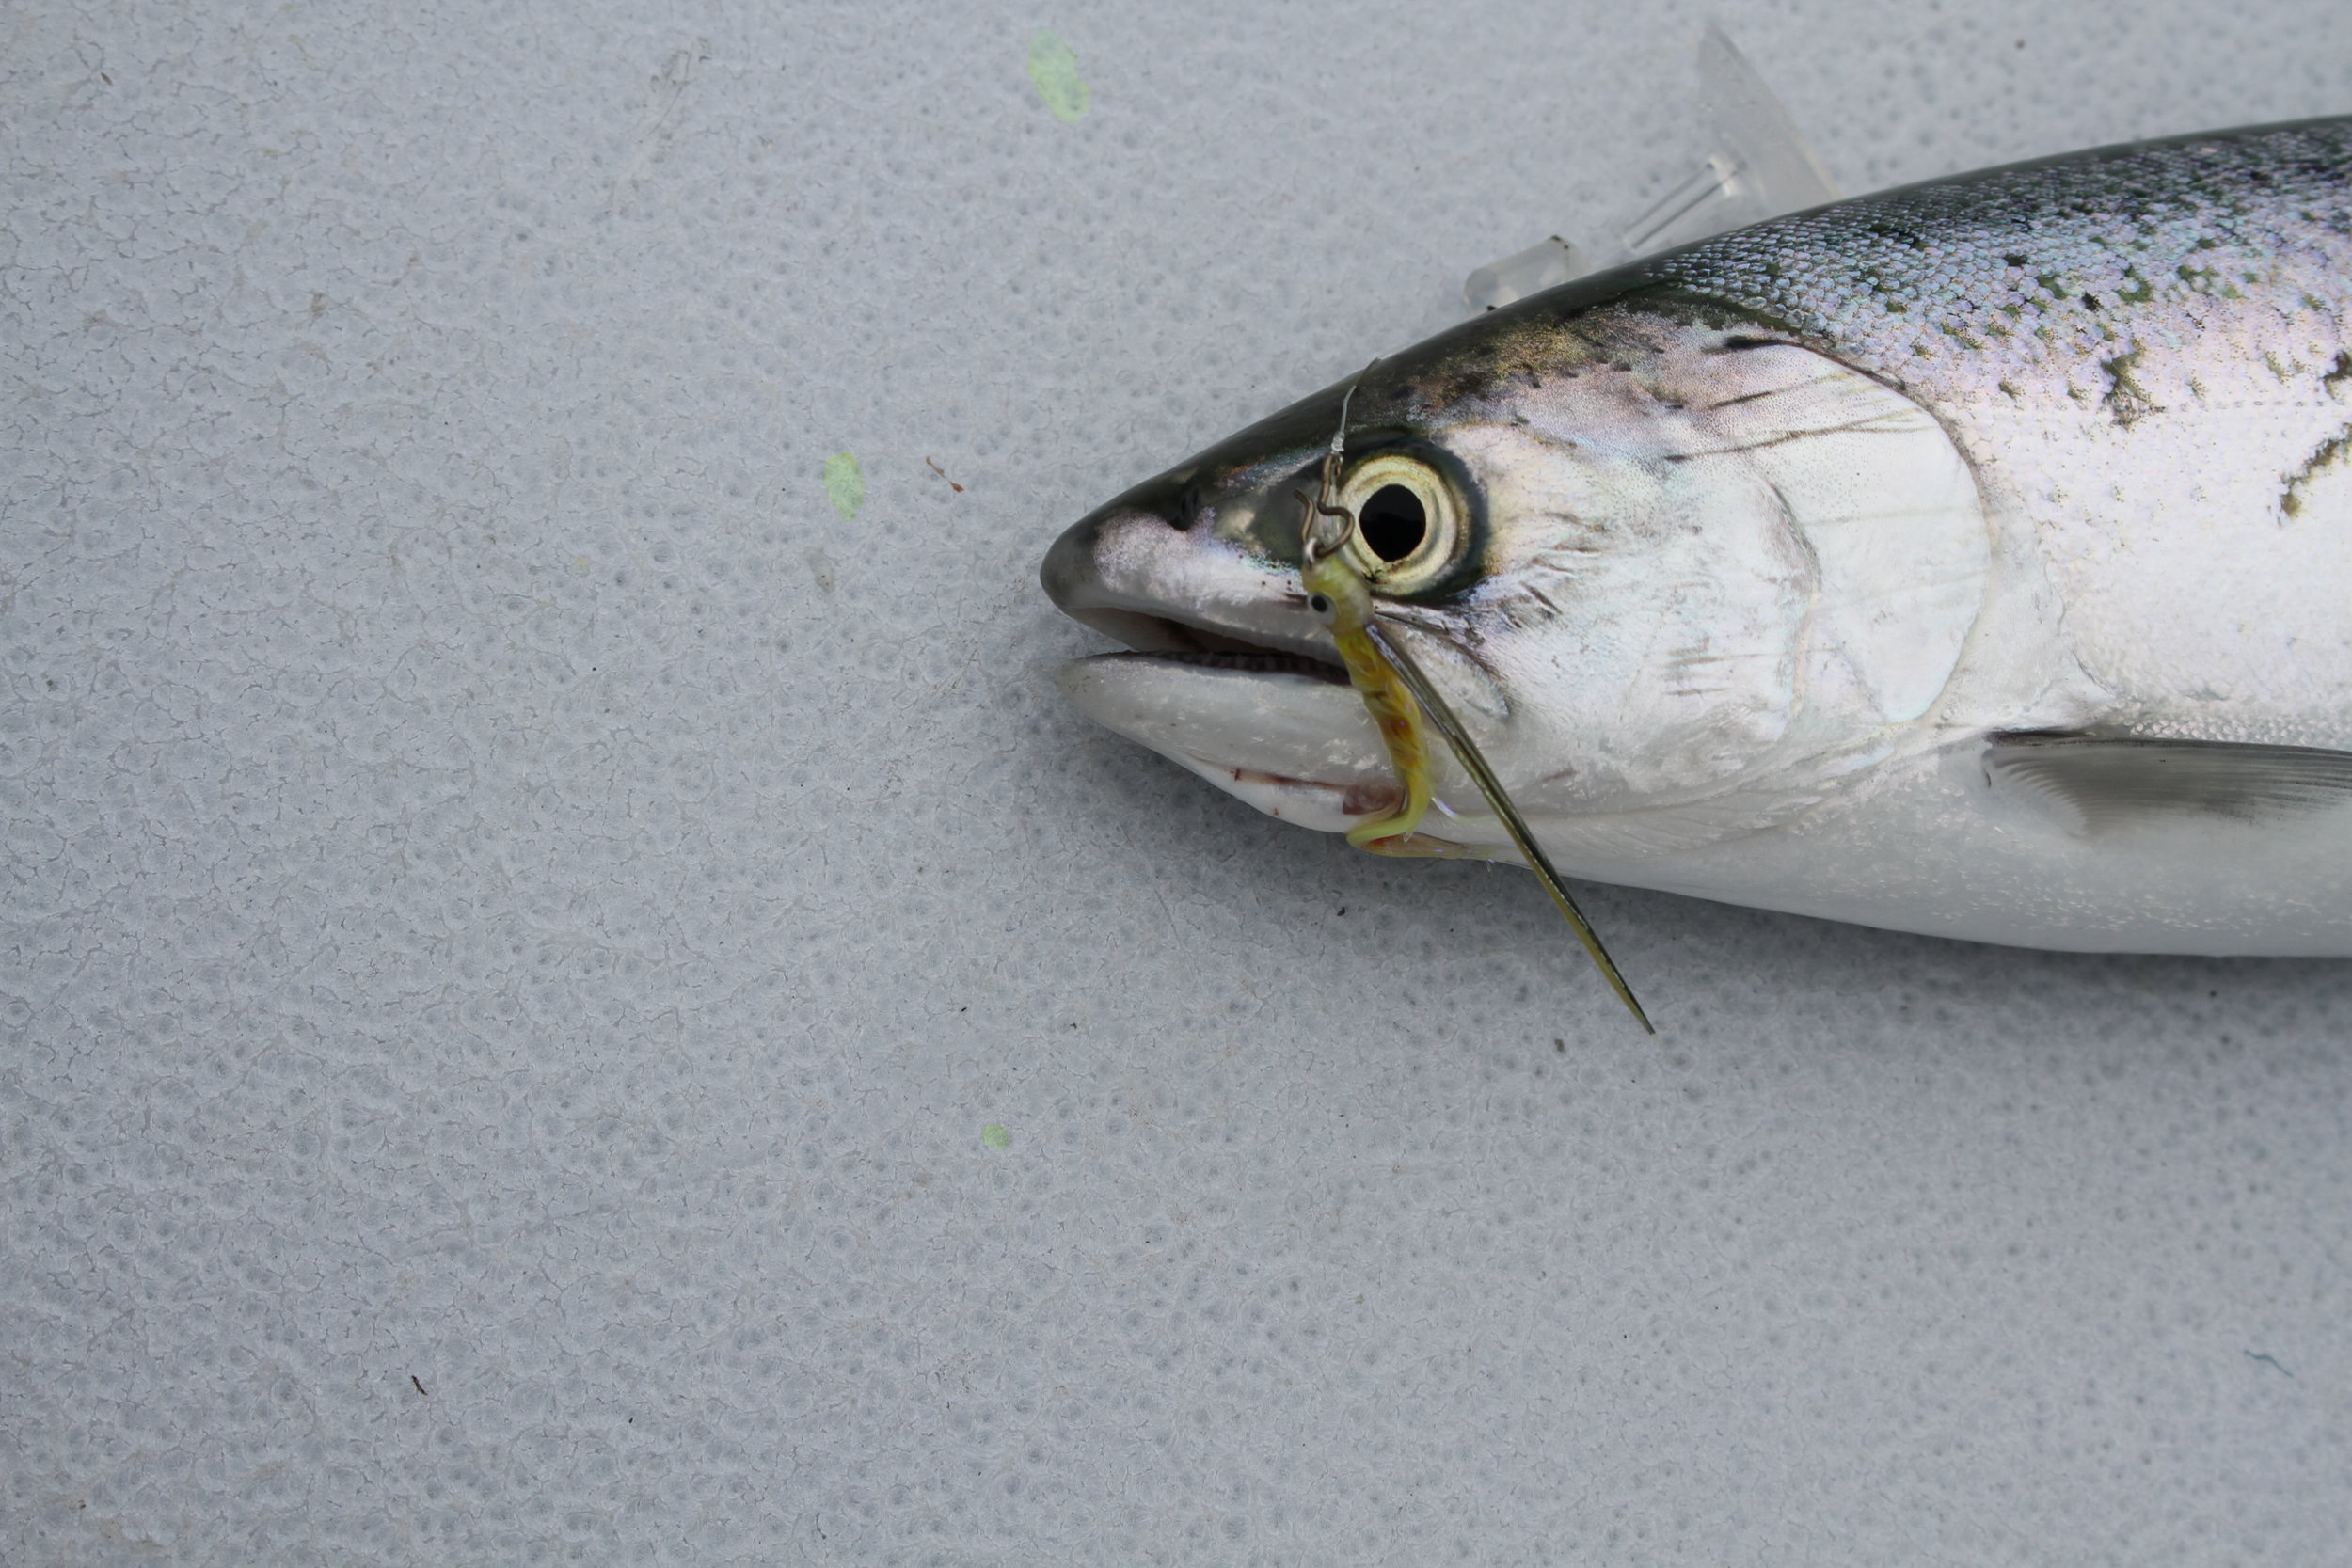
(1285,733)
(1326,807)
(1331,808)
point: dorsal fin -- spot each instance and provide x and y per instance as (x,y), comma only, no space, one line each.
(2101,783)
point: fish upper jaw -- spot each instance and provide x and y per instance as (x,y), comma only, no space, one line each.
(1135,576)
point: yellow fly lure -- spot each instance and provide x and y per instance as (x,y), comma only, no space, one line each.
(1405,706)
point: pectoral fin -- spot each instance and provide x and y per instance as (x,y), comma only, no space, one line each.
(2099,783)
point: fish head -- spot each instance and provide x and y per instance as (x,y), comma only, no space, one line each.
(1651,559)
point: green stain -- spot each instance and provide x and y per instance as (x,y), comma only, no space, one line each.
(845,483)
(1054,70)
(995,1137)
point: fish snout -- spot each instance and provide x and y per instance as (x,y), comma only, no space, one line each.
(1135,574)
(1068,573)
(1102,570)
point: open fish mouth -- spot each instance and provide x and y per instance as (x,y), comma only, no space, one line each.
(1222,674)
(1255,660)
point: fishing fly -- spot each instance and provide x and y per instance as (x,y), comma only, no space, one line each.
(1405,706)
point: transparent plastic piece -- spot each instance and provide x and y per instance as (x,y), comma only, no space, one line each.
(1757,167)
(1546,264)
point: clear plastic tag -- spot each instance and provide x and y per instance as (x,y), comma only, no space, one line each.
(1545,265)
(1757,167)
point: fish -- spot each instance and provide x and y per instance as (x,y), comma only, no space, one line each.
(1971,559)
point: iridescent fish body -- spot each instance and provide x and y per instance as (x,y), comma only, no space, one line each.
(1974,557)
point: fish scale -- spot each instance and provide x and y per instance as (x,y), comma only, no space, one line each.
(1954,285)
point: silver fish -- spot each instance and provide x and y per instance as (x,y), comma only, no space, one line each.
(1973,559)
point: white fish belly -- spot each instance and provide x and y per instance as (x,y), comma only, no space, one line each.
(1931,846)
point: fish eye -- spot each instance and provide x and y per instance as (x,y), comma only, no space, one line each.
(1322,609)
(1407,523)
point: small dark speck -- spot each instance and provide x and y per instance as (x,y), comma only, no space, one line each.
(2015,260)
(104,77)
(1561,1046)
(1343,909)
(417,1387)
(963,1009)
(2091,302)
(2265,1355)
(2021,43)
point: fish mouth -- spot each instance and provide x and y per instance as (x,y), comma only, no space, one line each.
(1246,658)
(1224,672)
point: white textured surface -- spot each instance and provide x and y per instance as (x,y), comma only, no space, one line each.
(510,897)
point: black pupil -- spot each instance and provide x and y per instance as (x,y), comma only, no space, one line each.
(1393,522)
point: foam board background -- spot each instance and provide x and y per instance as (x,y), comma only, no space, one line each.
(518,916)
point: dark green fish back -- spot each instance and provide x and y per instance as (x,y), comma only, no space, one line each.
(2034,269)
